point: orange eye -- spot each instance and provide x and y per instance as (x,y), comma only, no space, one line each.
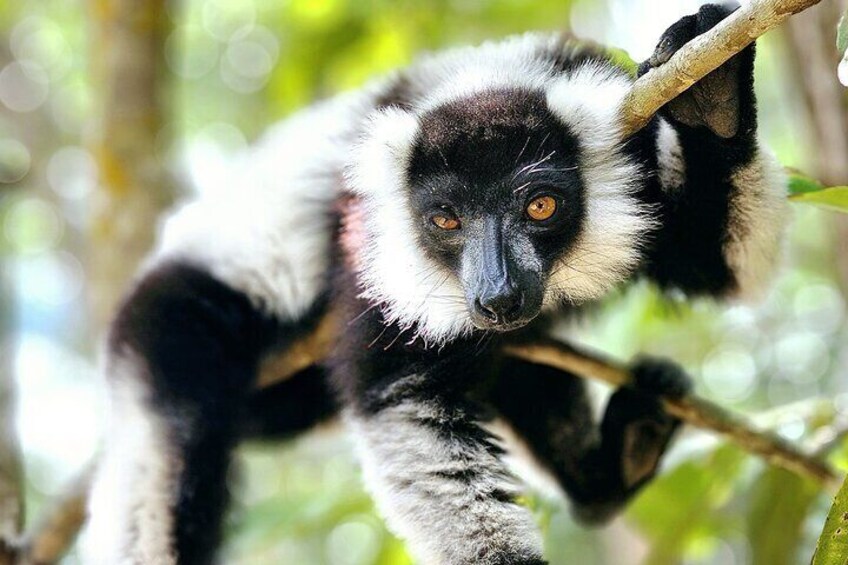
(446,222)
(541,208)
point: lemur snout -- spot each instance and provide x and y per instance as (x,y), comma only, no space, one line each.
(501,307)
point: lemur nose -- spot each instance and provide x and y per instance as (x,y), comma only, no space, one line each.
(501,306)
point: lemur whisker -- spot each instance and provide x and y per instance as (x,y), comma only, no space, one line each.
(361,314)
(520,153)
(480,346)
(397,337)
(542,143)
(531,166)
(380,335)
(444,159)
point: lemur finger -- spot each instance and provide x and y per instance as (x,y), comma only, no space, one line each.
(670,42)
(684,30)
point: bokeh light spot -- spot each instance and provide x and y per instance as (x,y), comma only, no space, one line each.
(354,542)
(191,52)
(222,19)
(729,373)
(15,160)
(23,86)
(32,225)
(72,173)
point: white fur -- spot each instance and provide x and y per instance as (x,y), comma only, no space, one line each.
(609,246)
(672,166)
(395,273)
(459,73)
(444,520)
(267,230)
(131,503)
(758,216)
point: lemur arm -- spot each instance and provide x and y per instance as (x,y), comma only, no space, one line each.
(721,195)
(600,466)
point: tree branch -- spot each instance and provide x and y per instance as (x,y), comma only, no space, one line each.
(130,77)
(691,409)
(701,56)
(11,468)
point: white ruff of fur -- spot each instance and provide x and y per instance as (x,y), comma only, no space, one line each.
(610,245)
(409,287)
(131,503)
(756,224)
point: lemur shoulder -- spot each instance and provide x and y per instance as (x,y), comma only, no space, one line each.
(468,201)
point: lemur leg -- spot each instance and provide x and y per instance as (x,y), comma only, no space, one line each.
(182,358)
(721,196)
(435,473)
(599,466)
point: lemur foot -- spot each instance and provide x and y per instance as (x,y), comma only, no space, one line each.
(721,100)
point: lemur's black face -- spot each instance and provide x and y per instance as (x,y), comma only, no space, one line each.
(497,198)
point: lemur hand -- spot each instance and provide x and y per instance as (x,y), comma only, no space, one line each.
(637,411)
(722,101)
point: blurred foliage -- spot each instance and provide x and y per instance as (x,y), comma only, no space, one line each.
(239,65)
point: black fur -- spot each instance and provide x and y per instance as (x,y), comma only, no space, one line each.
(687,253)
(291,406)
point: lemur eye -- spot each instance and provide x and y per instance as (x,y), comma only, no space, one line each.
(541,208)
(446,221)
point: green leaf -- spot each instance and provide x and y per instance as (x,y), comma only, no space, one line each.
(682,509)
(810,191)
(775,523)
(799,183)
(833,198)
(832,548)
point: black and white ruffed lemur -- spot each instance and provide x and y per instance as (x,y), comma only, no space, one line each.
(469,201)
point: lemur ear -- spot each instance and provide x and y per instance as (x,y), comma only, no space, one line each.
(378,162)
(588,100)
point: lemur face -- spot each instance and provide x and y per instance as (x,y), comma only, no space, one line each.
(484,203)
(497,198)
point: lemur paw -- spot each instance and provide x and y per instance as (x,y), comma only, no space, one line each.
(660,377)
(723,100)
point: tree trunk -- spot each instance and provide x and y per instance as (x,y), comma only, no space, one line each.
(130,75)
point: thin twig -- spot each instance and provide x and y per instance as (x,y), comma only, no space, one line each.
(54,534)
